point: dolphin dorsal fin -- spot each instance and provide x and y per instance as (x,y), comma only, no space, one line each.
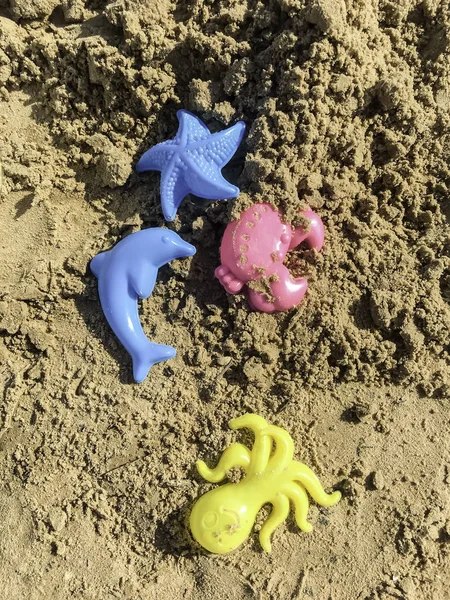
(97,263)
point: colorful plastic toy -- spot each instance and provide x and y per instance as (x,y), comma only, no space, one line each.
(128,272)
(254,248)
(222,519)
(192,161)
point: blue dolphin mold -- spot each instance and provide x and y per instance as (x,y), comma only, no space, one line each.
(128,272)
(192,162)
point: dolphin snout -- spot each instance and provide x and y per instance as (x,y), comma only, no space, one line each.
(176,246)
(189,249)
(183,248)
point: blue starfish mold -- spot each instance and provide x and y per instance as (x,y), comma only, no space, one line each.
(192,161)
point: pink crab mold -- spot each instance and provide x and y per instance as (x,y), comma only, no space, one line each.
(255,246)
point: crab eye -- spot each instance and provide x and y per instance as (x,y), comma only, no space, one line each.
(165,239)
(210,519)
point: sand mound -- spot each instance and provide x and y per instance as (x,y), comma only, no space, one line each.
(347,109)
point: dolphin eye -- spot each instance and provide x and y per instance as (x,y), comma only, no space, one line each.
(165,239)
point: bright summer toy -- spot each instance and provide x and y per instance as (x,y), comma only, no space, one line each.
(254,247)
(222,519)
(128,272)
(192,161)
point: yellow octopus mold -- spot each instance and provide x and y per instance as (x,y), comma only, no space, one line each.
(222,519)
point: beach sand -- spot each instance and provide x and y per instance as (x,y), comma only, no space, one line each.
(347,108)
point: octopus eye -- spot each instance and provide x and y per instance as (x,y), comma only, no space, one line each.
(165,239)
(210,519)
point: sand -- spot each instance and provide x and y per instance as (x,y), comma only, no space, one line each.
(347,106)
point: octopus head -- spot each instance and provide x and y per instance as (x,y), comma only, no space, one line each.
(218,523)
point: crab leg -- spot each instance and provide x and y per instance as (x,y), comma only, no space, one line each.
(303,474)
(230,282)
(284,451)
(237,455)
(262,445)
(299,499)
(280,512)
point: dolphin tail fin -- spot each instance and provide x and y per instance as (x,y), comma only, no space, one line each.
(97,263)
(147,356)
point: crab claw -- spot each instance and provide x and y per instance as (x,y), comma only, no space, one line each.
(287,292)
(314,237)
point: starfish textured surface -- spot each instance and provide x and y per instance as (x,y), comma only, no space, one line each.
(192,162)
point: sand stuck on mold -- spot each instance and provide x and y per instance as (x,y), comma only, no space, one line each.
(347,107)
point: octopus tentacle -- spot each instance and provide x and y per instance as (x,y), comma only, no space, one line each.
(262,445)
(237,455)
(284,450)
(280,512)
(303,474)
(299,498)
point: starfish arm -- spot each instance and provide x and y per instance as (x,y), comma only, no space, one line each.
(191,129)
(219,147)
(299,499)
(173,189)
(309,480)
(280,512)
(205,179)
(237,455)
(156,158)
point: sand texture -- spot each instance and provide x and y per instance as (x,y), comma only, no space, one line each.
(347,107)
